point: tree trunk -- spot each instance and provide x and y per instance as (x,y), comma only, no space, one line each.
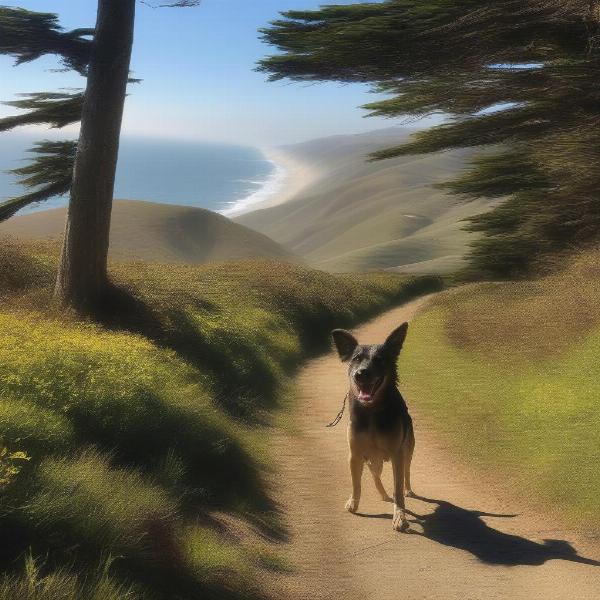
(83,276)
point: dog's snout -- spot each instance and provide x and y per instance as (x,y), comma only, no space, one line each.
(361,374)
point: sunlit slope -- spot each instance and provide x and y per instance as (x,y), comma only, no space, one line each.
(516,366)
(160,233)
(364,215)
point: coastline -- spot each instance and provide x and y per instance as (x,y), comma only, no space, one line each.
(289,178)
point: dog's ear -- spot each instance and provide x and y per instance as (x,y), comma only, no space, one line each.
(395,340)
(345,343)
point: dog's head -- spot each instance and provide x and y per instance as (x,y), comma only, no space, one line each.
(371,367)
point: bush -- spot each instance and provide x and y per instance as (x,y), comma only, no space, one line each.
(34,429)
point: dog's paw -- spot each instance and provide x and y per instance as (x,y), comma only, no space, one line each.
(352,505)
(387,498)
(399,522)
(410,494)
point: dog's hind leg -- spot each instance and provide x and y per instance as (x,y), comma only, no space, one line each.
(376,468)
(408,455)
(356,468)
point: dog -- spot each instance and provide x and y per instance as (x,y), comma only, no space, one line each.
(380,427)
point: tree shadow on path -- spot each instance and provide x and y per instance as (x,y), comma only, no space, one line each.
(458,527)
(452,525)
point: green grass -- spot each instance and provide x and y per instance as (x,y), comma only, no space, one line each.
(124,436)
(64,585)
(508,375)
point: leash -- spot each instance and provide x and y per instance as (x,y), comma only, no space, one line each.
(339,415)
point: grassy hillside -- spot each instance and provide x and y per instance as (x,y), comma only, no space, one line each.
(509,373)
(161,233)
(364,215)
(132,453)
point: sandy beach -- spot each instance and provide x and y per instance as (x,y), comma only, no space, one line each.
(291,176)
(369,215)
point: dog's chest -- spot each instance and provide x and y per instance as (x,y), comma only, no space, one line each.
(371,443)
(381,423)
(377,434)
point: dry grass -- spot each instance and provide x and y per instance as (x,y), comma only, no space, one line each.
(508,372)
(527,319)
(363,215)
(159,232)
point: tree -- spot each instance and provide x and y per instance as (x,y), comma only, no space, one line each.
(49,174)
(83,270)
(87,168)
(26,36)
(516,77)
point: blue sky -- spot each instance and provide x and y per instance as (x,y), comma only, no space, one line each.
(197,66)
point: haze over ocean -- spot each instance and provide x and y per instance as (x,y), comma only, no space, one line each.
(203,174)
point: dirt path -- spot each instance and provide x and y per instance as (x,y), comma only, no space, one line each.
(451,552)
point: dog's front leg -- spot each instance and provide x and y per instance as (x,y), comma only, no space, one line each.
(399,522)
(356,468)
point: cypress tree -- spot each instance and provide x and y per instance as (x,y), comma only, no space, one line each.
(87,168)
(26,36)
(516,79)
(83,270)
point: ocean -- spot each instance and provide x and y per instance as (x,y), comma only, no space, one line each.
(220,177)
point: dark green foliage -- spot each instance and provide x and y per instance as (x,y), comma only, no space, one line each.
(27,35)
(179,4)
(56,109)
(517,75)
(499,174)
(50,172)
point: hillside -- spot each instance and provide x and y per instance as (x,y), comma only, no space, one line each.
(119,444)
(362,215)
(160,233)
(516,366)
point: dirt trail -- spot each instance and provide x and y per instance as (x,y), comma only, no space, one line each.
(454,552)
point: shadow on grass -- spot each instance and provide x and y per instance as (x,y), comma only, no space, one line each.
(246,393)
(217,472)
(457,527)
(243,392)
(200,464)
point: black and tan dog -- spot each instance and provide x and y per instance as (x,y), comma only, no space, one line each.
(380,427)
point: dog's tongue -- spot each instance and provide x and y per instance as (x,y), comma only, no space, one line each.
(365,396)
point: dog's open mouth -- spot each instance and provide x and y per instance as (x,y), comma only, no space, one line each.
(367,391)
